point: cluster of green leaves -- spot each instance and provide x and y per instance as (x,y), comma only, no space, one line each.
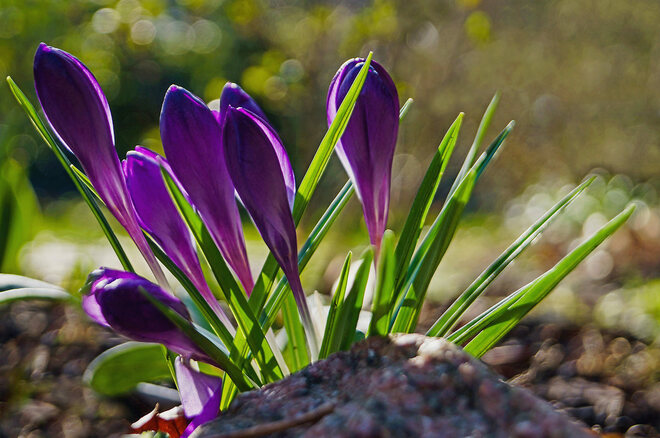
(248,355)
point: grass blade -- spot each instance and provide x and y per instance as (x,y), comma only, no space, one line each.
(309,247)
(383,300)
(439,237)
(449,318)
(332,136)
(478,140)
(87,196)
(405,108)
(274,304)
(335,303)
(422,202)
(429,239)
(349,310)
(536,291)
(296,334)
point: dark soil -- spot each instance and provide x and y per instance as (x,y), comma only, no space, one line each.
(607,380)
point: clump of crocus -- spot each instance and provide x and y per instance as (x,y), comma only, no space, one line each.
(215,156)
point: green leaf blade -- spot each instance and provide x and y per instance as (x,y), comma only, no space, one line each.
(349,313)
(335,306)
(383,300)
(422,202)
(532,294)
(87,196)
(439,237)
(451,316)
(233,293)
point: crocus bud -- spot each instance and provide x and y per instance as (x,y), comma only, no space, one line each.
(366,148)
(79,115)
(158,215)
(191,139)
(262,175)
(114,299)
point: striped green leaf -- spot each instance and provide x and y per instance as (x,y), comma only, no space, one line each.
(422,202)
(349,310)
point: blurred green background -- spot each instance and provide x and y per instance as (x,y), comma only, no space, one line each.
(582,80)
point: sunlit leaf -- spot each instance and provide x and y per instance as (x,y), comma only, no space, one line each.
(440,235)
(296,334)
(233,293)
(119,370)
(422,202)
(349,310)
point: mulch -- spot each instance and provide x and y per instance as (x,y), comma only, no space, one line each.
(608,380)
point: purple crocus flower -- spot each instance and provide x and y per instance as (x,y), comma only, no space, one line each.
(158,215)
(200,394)
(262,174)
(191,139)
(367,147)
(79,115)
(113,299)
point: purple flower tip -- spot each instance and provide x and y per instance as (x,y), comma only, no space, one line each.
(233,95)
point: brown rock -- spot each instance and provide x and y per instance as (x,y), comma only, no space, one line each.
(406,386)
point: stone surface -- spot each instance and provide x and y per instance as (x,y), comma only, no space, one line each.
(406,386)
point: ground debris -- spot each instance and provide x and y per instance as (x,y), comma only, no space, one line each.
(406,386)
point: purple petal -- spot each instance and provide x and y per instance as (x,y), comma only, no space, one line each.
(366,148)
(159,216)
(195,388)
(251,150)
(209,413)
(233,95)
(78,112)
(116,296)
(191,139)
